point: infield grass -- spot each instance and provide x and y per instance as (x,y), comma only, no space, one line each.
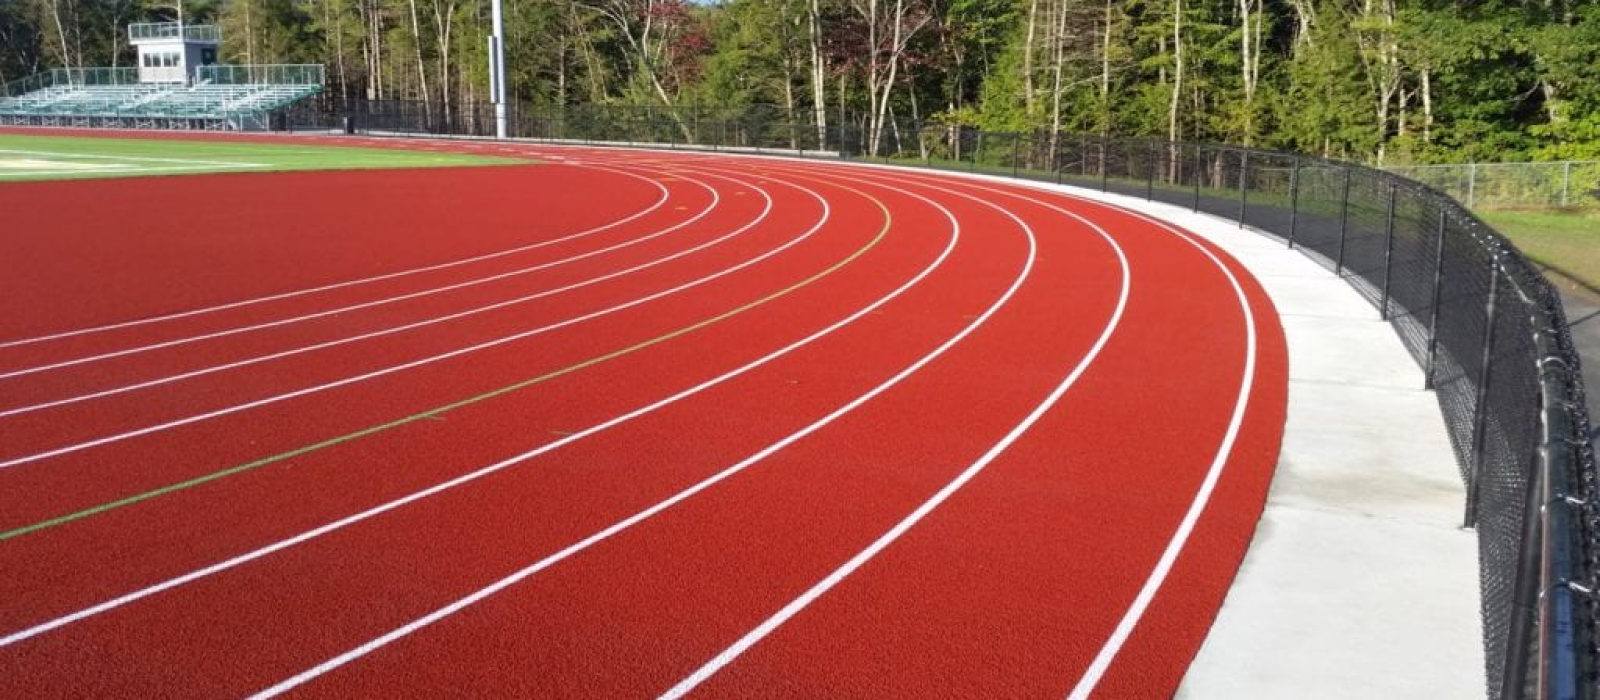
(1569,242)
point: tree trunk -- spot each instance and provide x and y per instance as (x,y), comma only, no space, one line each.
(1427,105)
(819,99)
(1105,72)
(1027,60)
(443,24)
(422,66)
(1177,70)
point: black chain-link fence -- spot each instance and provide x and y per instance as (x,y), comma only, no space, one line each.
(1485,326)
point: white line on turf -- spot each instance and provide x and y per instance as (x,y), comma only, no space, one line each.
(793,607)
(620,526)
(96,156)
(715,201)
(118,437)
(118,171)
(663,197)
(308,535)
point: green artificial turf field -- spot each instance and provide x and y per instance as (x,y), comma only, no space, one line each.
(30,157)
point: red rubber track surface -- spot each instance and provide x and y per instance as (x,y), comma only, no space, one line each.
(831,280)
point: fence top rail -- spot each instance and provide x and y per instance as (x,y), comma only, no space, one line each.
(1509,164)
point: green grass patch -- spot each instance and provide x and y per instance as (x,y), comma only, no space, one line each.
(1569,242)
(30,157)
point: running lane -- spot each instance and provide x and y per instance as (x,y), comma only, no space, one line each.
(566,329)
(1066,415)
(158,245)
(1009,590)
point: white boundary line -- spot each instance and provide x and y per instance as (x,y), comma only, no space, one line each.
(408,326)
(712,205)
(661,200)
(636,518)
(1180,537)
(118,437)
(169,584)
(754,636)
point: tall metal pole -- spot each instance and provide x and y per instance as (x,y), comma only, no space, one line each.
(497,71)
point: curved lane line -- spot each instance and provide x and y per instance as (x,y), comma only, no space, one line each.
(622,525)
(715,201)
(805,599)
(440,410)
(662,200)
(118,437)
(1180,537)
(169,584)
(416,324)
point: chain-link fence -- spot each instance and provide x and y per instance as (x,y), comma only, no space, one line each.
(1550,185)
(1485,326)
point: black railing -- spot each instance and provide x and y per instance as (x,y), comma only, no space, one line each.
(1486,328)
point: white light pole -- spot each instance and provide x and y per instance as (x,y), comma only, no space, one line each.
(497,72)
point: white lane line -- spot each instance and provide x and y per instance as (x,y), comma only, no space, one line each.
(751,638)
(712,205)
(308,535)
(620,526)
(405,327)
(118,437)
(1180,537)
(661,200)
(1136,610)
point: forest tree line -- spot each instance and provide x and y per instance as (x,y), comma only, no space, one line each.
(1386,81)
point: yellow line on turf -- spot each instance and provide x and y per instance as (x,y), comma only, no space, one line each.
(436,412)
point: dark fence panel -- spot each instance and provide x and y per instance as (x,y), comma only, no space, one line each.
(1487,329)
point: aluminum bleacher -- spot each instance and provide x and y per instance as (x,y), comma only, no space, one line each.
(218,98)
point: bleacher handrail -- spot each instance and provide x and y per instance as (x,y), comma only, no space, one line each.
(155,31)
(262,74)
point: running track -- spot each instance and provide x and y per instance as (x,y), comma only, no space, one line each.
(622,424)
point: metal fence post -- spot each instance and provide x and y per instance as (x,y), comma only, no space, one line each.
(1105,170)
(1055,154)
(1016,147)
(977,147)
(1198,166)
(1344,224)
(1294,199)
(1566,181)
(1244,180)
(1472,186)
(1388,253)
(1433,313)
(1480,409)
(1150,174)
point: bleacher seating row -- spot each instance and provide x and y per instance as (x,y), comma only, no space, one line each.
(229,106)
